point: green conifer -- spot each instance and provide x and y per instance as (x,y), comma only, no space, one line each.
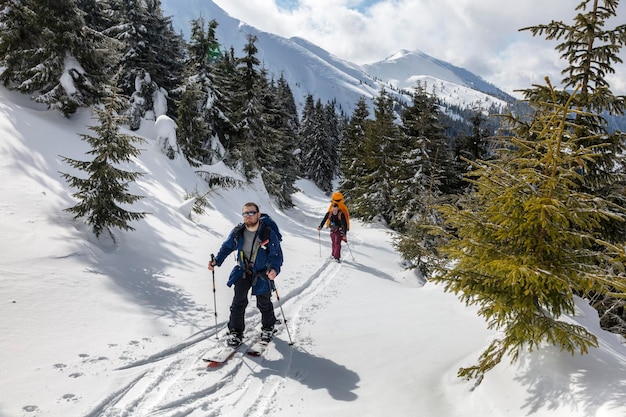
(103,194)
(381,164)
(529,237)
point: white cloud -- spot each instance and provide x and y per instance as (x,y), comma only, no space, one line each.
(482,36)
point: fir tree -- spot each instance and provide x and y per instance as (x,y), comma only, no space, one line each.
(104,192)
(320,155)
(591,48)
(475,146)
(381,164)
(306,130)
(225,82)
(246,111)
(96,14)
(590,51)
(192,128)
(528,238)
(417,185)
(281,129)
(151,57)
(166,71)
(334,134)
(353,160)
(287,103)
(47,50)
(199,108)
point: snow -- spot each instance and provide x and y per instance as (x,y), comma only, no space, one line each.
(165,132)
(95,328)
(309,69)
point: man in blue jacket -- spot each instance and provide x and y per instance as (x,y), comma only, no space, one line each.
(259,258)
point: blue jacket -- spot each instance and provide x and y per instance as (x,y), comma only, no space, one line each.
(268,256)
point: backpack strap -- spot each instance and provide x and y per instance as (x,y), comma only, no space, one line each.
(264,236)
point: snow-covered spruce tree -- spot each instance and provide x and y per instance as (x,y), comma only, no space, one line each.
(96,13)
(320,153)
(225,82)
(590,48)
(528,238)
(352,162)
(417,187)
(151,58)
(246,111)
(418,183)
(306,129)
(262,140)
(193,131)
(198,105)
(166,65)
(287,103)
(374,193)
(334,132)
(280,129)
(48,51)
(103,195)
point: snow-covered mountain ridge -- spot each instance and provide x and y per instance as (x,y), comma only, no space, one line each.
(405,68)
(310,69)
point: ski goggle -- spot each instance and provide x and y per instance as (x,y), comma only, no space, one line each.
(249,213)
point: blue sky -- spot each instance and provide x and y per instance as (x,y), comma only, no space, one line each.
(287,4)
(361,6)
(480,35)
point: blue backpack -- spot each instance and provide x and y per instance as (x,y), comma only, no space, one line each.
(265,233)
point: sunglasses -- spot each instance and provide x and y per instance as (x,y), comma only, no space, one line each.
(249,213)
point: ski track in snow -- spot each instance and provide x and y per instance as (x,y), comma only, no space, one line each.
(176,382)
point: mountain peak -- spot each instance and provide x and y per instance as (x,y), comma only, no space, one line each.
(309,69)
(405,68)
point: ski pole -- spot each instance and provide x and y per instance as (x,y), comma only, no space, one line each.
(319,241)
(282,312)
(214,298)
(351,254)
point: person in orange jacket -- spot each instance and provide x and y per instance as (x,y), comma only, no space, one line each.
(336,221)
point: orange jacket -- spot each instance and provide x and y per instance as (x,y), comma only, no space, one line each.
(337,198)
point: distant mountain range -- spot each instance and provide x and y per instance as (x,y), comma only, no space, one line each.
(310,69)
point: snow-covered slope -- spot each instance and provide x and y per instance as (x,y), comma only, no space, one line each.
(405,68)
(93,328)
(310,69)
(307,69)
